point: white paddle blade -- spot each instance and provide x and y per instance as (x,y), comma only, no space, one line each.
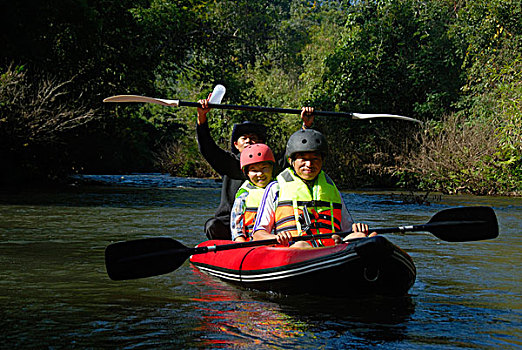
(393,116)
(217,94)
(136,98)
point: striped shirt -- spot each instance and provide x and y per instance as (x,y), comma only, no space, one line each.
(237,217)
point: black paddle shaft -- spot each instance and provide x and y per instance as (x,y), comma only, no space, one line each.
(464,224)
(265,109)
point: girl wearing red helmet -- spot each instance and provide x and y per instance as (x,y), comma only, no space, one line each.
(257,162)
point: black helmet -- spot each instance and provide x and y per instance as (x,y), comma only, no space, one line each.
(306,140)
(248,127)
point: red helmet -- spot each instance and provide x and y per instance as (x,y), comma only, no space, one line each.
(258,152)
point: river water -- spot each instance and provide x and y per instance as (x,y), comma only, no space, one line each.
(55,293)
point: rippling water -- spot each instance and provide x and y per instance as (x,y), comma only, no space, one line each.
(54,291)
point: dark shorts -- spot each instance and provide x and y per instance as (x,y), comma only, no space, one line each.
(216,229)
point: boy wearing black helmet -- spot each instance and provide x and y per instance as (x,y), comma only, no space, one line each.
(304,200)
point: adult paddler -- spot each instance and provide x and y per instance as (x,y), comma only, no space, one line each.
(227,164)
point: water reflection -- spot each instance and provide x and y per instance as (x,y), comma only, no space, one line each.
(232,315)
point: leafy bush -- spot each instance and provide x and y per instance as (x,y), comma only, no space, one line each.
(456,156)
(182,158)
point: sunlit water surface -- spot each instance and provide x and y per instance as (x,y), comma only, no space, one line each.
(55,293)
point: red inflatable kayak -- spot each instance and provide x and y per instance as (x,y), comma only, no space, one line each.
(368,266)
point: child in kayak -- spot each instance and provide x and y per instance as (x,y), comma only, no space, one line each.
(257,162)
(303,199)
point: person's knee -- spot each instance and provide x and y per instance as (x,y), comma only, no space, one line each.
(216,229)
(301,245)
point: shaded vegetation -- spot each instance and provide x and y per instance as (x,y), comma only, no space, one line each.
(456,65)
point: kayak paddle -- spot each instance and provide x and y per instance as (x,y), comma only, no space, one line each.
(179,103)
(156,256)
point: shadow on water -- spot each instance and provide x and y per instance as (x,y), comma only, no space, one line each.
(371,310)
(375,319)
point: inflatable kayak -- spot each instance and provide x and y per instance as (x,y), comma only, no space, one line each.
(367,266)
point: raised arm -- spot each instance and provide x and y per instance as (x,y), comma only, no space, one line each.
(222,161)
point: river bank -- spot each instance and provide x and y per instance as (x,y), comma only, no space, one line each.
(396,195)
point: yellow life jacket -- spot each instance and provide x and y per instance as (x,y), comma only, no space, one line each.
(323,203)
(252,202)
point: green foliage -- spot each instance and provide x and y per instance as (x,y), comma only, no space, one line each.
(455,65)
(108,47)
(457,156)
(491,34)
(395,56)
